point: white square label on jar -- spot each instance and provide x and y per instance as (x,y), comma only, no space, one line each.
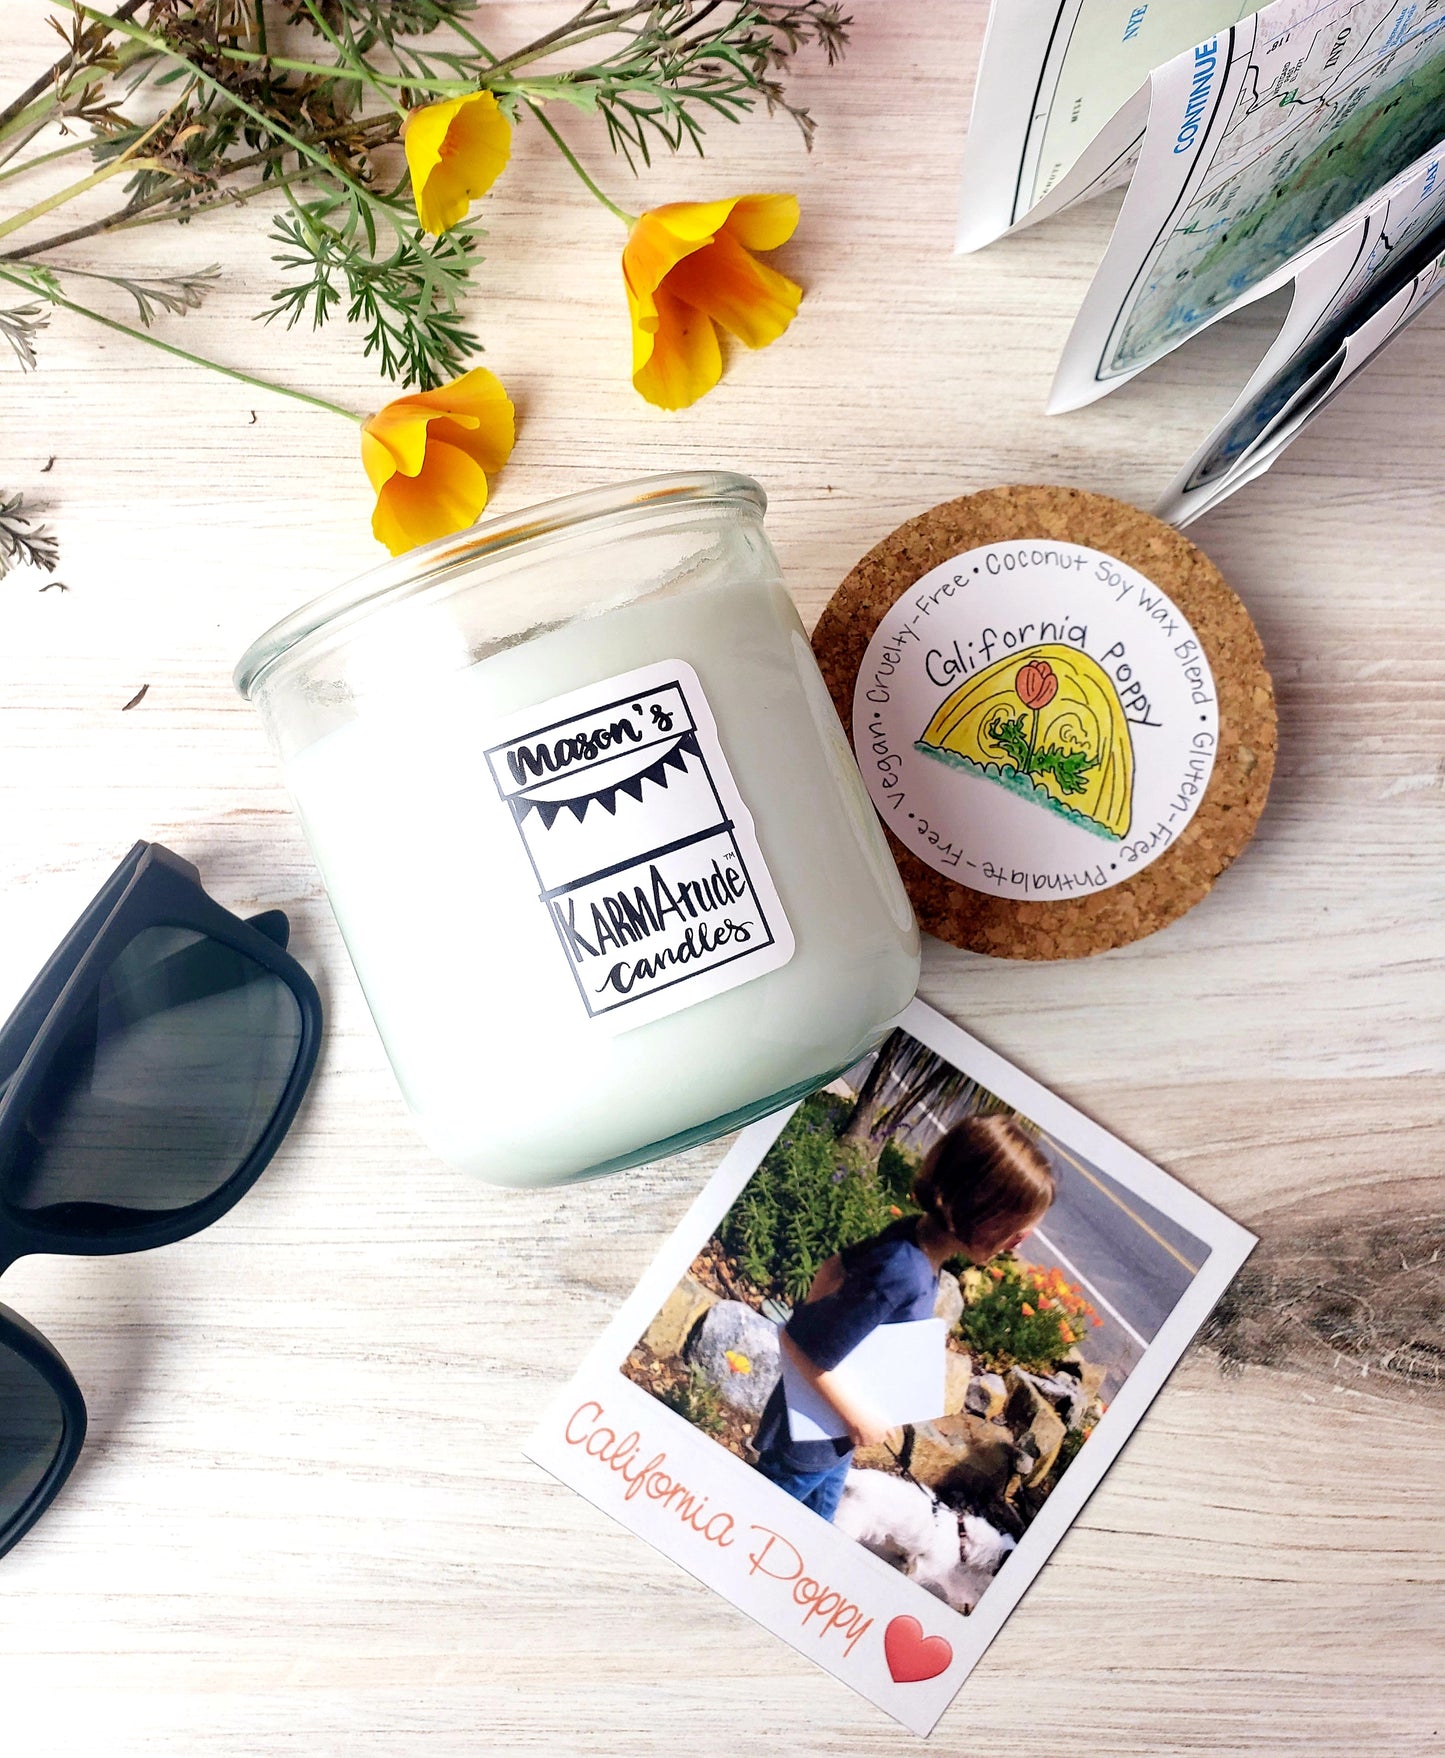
(645,855)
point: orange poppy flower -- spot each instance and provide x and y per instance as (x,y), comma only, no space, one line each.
(996,1271)
(1036,683)
(689,268)
(429,455)
(1027,1310)
(455,152)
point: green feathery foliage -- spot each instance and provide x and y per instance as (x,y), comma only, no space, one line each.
(195,106)
(23,543)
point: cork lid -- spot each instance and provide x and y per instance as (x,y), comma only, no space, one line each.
(1061,711)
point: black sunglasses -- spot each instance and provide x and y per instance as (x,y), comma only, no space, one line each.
(146,1078)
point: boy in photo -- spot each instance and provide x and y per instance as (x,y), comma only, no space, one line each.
(677,1425)
(981,1189)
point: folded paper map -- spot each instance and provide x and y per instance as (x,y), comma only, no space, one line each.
(1299,145)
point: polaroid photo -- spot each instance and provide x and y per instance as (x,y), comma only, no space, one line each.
(888,1354)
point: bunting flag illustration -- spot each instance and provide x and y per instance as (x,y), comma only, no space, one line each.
(674,757)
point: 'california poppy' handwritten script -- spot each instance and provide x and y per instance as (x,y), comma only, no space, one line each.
(769,1555)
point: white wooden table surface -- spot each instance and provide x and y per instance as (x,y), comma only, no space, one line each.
(302,1524)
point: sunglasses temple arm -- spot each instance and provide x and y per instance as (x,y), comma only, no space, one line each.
(185,975)
(20,1030)
(274,924)
(193,974)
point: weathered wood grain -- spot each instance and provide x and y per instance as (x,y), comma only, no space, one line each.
(303,1525)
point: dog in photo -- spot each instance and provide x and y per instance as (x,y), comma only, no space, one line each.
(908,1526)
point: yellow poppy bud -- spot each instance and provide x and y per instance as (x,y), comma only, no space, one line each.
(455,152)
(429,455)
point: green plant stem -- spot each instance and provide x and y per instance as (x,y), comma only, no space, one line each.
(1033,740)
(557,140)
(124,219)
(111,323)
(38,88)
(34,117)
(137,214)
(71,190)
(448,88)
(61,152)
(460,30)
(566,37)
(29,114)
(572,159)
(159,46)
(230,198)
(129,160)
(350,61)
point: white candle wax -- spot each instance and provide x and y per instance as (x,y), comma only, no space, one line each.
(507,1072)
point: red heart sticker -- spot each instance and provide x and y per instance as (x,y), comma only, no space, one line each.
(911,1655)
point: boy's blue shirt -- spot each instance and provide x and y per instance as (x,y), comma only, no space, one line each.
(886,1280)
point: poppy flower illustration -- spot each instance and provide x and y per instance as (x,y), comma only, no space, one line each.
(1037,684)
(1048,725)
(737,1361)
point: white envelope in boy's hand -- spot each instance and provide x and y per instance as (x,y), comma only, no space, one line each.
(896,1371)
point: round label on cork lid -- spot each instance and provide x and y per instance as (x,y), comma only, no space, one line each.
(1062,714)
(1036,719)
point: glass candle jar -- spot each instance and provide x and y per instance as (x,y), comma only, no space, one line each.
(591,829)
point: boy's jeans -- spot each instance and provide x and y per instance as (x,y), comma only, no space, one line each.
(818,1490)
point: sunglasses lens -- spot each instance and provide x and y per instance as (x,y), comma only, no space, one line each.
(161,1088)
(32,1428)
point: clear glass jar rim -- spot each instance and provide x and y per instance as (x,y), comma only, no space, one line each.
(406,574)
